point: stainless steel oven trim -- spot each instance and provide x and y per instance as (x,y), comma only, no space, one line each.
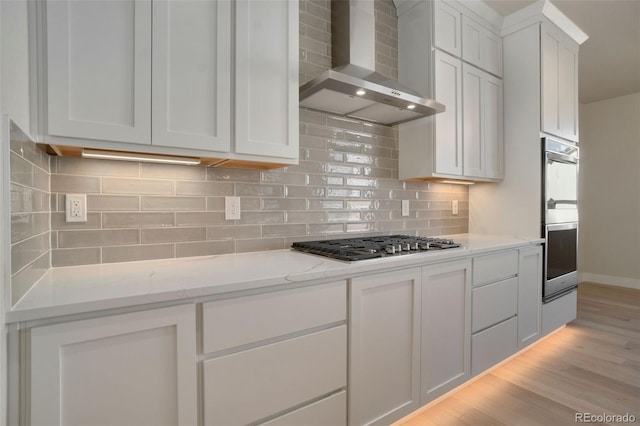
(550,216)
(558,286)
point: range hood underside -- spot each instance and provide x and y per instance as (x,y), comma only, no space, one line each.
(335,92)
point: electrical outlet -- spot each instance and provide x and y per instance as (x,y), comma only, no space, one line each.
(454,207)
(232,208)
(76,207)
(405,207)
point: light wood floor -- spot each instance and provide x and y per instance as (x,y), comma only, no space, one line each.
(592,365)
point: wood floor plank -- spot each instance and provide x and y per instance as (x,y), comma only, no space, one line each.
(590,366)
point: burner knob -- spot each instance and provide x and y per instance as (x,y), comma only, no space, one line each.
(399,248)
(391,249)
(406,247)
(415,246)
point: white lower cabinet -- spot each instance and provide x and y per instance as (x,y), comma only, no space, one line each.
(329,411)
(446,327)
(384,347)
(493,345)
(251,385)
(278,357)
(559,312)
(529,295)
(129,369)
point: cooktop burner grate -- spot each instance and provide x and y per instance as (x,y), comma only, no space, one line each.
(351,249)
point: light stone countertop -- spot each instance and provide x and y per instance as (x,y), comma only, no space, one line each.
(81,289)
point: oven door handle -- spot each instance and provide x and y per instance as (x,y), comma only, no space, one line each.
(561,158)
(551,203)
(562,226)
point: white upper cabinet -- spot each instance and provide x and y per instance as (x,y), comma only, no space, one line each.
(267,78)
(448,124)
(569,90)
(559,82)
(493,130)
(481,47)
(99,70)
(446,28)
(466,141)
(163,75)
(192,74)
(482,124)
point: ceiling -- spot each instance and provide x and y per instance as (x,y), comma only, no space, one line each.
(610,59)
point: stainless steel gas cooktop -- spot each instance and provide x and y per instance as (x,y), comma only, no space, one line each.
(351,249)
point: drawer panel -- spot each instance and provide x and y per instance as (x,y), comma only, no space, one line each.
(493,345)
(559,312)
(239,321)
(329,411)
(494,267)
(248,386)
(493,303)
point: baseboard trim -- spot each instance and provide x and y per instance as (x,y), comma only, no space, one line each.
(609,280)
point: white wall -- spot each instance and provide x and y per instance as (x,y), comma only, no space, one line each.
(609,195)
(14,48)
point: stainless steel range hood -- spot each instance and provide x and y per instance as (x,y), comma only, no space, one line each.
(352,88)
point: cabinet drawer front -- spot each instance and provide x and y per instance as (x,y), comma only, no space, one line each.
(248,386)
(239,321)
(329,411)
(493,345)
(494,303)
(559,312)
(494,267)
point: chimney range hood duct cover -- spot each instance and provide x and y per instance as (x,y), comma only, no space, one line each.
(351,88)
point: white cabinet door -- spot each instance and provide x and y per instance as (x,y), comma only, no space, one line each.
(559,83)
(472,38)
(446,327)
(472,127)
(384,347)
(448,133)
(129,369)
(99,70)
(569,90)
(447,28)
(551,46)
(482,124)
(529,295)
(492,127)
(192,74)
(492,53)
(481,47)
(267,78)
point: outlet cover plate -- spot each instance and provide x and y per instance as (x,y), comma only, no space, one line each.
(76,207)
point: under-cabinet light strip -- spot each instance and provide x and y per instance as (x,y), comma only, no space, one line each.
(456,182)
(148,158)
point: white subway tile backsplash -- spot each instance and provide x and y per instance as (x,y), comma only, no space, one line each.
(129,186)
(204,188)
(138,220)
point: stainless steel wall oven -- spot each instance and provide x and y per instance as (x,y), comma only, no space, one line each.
(559,216)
